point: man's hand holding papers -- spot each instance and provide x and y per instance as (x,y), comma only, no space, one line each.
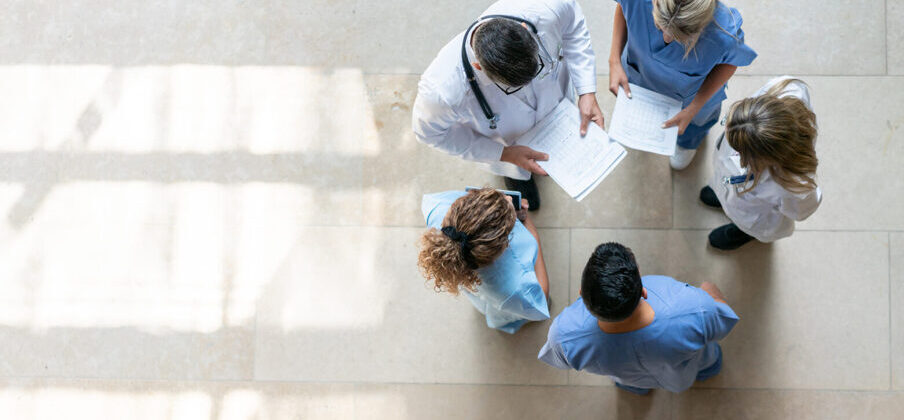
(577,163)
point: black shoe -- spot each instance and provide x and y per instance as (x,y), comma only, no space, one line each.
(728,237)
(528,190)
(708,197)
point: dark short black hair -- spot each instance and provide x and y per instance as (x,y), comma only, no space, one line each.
(506,51)
(611,285)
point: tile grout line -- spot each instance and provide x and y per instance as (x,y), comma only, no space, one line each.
(885,30)
(568,297)
(808,75)
(890,331)
(641,228)
(672,403)
(672,204)
(358,384)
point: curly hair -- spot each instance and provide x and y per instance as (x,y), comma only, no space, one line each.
(487,218)
(777,133)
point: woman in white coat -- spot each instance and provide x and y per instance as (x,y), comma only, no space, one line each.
(765,165)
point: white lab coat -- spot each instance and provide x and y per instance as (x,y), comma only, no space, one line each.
(446,113)
(768,211)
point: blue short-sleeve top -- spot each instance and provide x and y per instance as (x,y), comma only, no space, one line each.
(509,294)
(651,63)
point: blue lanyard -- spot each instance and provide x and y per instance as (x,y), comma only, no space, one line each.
(737,179)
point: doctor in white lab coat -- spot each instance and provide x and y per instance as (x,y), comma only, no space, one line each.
(447,114)
(776,130)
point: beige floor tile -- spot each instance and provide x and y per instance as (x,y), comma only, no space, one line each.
(505,402)
(122,146)
(598,16)
(796,328)
(852,156)
(318,34)
(775,405)
(894,35)
(138,33)
(849,40)
(896,277)
(362,35)
(396,46)
(325,34)
(44,399)
(348,304)
(122,300)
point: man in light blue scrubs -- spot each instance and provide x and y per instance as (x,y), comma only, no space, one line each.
(644,333)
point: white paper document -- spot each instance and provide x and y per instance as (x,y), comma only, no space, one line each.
(578,164)
(637,122)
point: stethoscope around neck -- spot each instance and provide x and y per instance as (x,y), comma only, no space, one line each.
(492,117)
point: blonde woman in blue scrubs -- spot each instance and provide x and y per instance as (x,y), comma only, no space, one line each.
(478,244)
(685,49)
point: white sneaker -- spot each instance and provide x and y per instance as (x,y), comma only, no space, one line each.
(682,158)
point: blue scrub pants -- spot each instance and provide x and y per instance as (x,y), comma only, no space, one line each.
(713,369)
(694,134)
(702,375)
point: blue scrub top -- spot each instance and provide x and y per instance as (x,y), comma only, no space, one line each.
(509,294)
(651,63)
(669,353)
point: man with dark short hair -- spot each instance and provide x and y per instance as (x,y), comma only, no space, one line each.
(644,333)
(495,81)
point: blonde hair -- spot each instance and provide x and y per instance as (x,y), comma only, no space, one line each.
(775,133)
(684,20)
(487,218)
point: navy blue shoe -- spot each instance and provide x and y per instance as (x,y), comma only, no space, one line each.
(728,237)
(713,369)
(708,197)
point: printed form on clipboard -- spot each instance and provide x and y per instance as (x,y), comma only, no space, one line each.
(578,164)
(637,122)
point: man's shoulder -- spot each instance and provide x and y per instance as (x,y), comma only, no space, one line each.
(657,281)
(545,14)
(444,79)
(574,323)
(680,298)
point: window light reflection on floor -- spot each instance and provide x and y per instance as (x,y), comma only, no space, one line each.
(142,196)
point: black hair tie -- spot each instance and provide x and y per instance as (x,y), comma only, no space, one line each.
(462,239)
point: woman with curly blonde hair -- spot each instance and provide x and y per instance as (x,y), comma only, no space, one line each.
(479,245)
(765,165)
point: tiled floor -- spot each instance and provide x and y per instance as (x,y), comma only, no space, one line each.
(210,210)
